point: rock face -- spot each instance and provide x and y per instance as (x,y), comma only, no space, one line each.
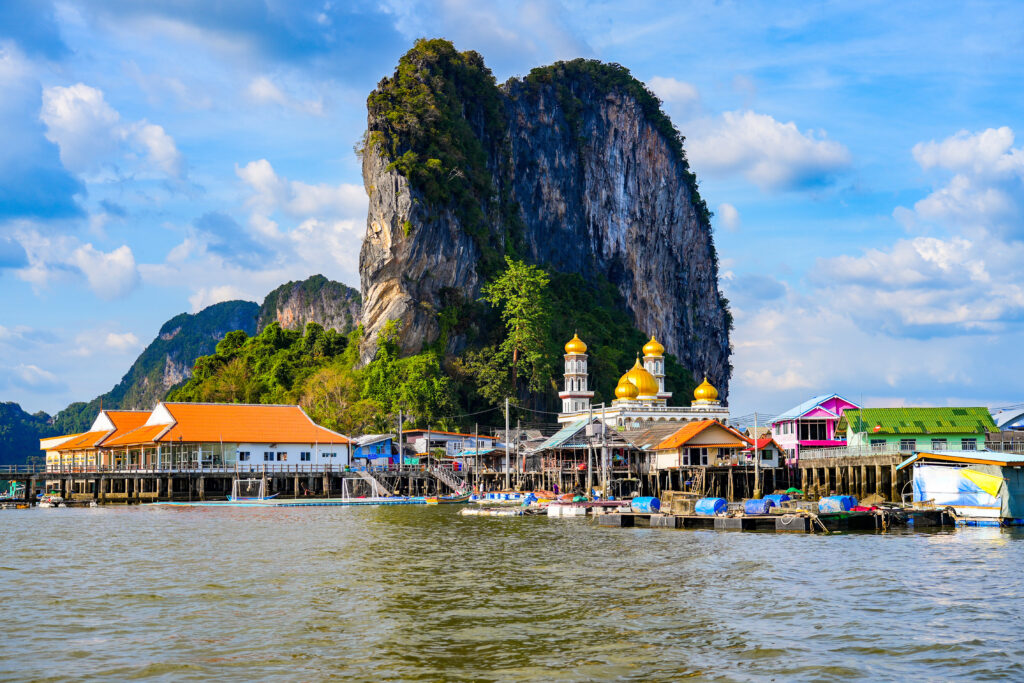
(166,362)
(315,299)
(583,174)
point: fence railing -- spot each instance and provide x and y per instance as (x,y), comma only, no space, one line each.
(921,445)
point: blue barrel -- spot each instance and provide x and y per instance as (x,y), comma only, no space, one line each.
(778,498)
(645,504)
(709,507)
(836,503)
(758,506)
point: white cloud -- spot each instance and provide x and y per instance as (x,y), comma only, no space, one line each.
(263,90)
(728,216)
(986,190)
(682,95)
(208,296)
(26,376)
(770,154)
(297,199)
(81,123)
(99,341)
(111,275)
(91,134)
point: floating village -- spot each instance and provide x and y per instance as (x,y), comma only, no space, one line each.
(825,465)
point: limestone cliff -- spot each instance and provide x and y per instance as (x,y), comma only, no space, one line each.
(315,299)
(574,166)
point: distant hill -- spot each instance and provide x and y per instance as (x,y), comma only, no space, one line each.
(332,304)
(165,363)
(20,433)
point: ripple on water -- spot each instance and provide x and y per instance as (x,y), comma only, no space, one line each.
(150,593)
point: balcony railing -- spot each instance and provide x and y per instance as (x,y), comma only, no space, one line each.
(892,449)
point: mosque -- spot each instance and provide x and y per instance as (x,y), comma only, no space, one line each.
(641,400)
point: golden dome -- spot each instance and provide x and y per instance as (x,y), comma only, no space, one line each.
(647,386)
(653,348)
(705,392)
(626,389)
(575,345)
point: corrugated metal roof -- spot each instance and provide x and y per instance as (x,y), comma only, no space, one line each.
(807,406)
(980,456)
(918,420)
(563,435)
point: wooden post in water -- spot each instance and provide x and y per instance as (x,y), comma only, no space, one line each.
(732,492)
(202,487)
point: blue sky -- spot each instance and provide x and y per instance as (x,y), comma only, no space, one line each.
(861,160)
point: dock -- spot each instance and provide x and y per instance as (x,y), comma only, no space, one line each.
(802,523)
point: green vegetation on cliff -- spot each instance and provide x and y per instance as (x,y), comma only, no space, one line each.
(316,368)
(20,433)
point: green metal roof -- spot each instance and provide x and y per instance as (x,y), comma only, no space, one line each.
(911,421)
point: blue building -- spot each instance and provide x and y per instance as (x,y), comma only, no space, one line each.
(375,449)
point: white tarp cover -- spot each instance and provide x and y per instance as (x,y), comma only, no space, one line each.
(945,485)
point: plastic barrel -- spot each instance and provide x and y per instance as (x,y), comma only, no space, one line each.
(709,507)
(758,506)
(778,498)
(645,504)
(836,503)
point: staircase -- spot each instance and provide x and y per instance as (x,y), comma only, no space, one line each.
(452,480)
(377,486)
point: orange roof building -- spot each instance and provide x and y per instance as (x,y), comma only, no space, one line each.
(704,442)
(197,435)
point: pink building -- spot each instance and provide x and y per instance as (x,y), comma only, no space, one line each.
(812,424)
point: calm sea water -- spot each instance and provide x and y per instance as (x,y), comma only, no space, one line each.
(418,593)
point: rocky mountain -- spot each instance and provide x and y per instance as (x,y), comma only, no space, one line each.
(166,362)
(315,299)
(574,166)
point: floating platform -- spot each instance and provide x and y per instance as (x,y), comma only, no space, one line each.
(791,523)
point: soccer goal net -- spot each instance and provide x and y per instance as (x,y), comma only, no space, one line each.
(248,488)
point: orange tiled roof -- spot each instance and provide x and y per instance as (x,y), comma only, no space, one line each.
(139,435)
(691,430)
(210,422)
(82,441)
(125,421)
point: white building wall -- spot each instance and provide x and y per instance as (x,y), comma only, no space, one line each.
(337,455)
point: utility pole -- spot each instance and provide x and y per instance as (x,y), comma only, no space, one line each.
(590,451)
(604,454)
(401,450)
(476,453)
(757,462)
(508,485)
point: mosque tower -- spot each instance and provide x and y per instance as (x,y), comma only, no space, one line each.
(575,397)
(654,363)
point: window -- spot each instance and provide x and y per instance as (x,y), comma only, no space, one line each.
(939,444)
(812,430)
(282,456)
(908,445)
(766,454)
(268,456)
(305,456)
(969,444)
(243,456)
(329,455)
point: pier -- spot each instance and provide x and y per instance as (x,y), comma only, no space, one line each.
(133,486)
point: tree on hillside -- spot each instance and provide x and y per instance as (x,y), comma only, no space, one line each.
(520,293)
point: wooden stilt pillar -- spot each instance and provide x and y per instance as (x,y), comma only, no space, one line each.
(732,491)
(202,487)
(894,490)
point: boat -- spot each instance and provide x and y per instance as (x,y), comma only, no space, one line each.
(51,500)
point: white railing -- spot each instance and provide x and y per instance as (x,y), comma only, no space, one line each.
(921,445)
